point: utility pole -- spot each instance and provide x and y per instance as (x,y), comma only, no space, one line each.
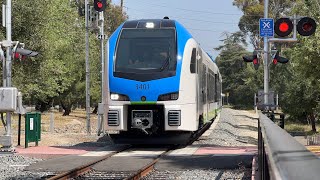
(87,67)
(266,60)
(8,61)
(102,36)
(121,6)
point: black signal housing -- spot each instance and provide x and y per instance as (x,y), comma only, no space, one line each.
(306,26)
(100,5)
(283,27)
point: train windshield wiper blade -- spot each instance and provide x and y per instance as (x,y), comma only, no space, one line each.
(165,64)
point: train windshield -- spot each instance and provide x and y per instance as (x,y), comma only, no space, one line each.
(146,51)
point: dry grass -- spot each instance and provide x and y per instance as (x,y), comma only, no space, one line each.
(299,127)
(70,129)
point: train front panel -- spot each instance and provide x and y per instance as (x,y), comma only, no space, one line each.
(146,65)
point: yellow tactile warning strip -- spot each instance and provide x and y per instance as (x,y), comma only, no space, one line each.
(314,149)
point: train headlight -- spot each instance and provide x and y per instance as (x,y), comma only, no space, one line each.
(169,96)
(149,25)
(119,97)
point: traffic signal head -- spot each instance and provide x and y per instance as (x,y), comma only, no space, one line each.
(283,27)
(254,59)
(306,26)
(250,58)
(99,5)
(279,59)
(20,53)
(256,62)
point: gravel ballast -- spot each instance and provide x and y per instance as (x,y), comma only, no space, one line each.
(234,128)
(12,167)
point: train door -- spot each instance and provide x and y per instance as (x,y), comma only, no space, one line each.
(205,88)
(200,85)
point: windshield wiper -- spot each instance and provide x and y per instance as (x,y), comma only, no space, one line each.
(165,64)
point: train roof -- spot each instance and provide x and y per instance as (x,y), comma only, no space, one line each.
(157,23)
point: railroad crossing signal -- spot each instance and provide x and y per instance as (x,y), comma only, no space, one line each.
(283,27)
(305,27)
(100,5)
(279,59)
(19,52)
(254,59)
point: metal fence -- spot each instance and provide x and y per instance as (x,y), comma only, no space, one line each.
(313,140)
(280,156)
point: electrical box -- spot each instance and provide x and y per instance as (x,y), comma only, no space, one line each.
(32,128)
(8,99)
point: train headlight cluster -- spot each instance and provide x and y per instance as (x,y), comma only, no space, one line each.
(169,97)
(149,25)
(119,97)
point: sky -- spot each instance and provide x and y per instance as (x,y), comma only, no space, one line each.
(206,20)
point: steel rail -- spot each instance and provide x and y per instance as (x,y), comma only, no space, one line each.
(85,168)
(148,168)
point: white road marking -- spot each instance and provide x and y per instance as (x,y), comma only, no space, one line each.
(187,151)
(151,152)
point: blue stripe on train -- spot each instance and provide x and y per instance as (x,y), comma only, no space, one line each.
(155,87)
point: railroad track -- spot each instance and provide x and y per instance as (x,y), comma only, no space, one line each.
(85,168)
(86,171)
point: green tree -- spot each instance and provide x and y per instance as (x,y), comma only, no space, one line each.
(240,79)
(57,75)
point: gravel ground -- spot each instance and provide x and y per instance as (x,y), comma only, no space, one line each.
(244,174)
(234,128)
(11,167)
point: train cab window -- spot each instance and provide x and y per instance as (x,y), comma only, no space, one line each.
(193,63)
(146,54)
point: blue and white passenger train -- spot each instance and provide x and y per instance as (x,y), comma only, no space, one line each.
(161,83)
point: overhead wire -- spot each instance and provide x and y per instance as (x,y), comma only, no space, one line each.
(198,11)
(191,19)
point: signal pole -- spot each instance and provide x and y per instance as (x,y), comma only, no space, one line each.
(103,36)
(87,67)
(8,61)
(266,60)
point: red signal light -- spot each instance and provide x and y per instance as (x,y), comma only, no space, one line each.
(306,26)
(255,61)
(275,61)
(283,27)
(99,4)
(16,55)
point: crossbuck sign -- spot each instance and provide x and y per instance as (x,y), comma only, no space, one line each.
(266,27)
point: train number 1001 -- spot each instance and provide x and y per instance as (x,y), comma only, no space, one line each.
(142,86)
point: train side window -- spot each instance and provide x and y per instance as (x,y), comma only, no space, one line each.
(216,80)
(204,88)
(193,63)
